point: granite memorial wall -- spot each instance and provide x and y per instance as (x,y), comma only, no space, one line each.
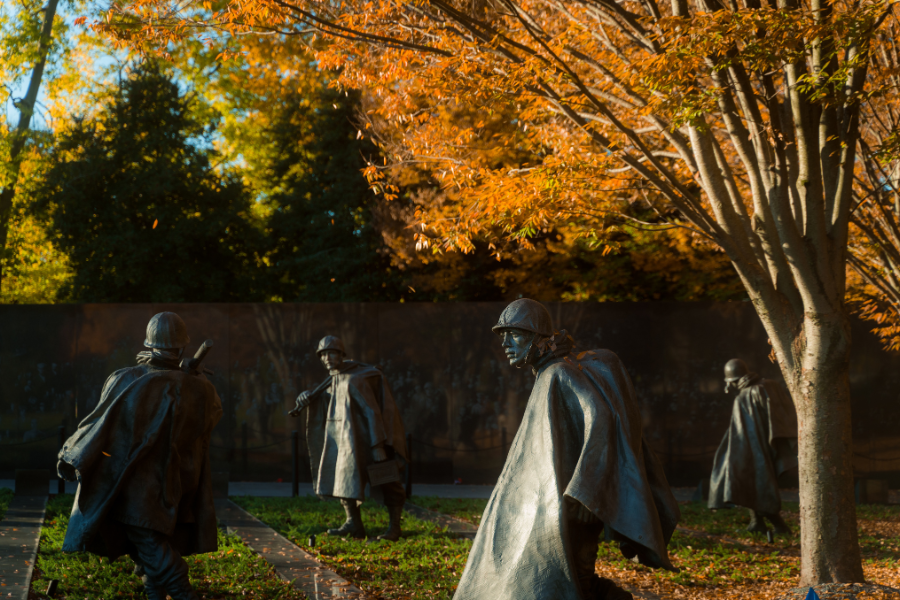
(461,401)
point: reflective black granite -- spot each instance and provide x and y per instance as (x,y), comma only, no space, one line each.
(447,369)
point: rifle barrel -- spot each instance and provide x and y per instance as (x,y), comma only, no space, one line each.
(203,350)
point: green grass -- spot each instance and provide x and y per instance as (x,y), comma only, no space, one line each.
(426,562)
(6,495)
(234,571)
(465,509)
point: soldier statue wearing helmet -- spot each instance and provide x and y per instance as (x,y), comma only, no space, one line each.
(578,466)
(353,426)
(141,459)
(759,446)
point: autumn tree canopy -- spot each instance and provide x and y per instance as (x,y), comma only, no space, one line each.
(875,242)
(736,120)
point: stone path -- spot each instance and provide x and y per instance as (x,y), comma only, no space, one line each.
(290,561)
(20,532)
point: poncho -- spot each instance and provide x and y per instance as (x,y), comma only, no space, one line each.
(344,423)
(581,438)
(142,458)
(760,445)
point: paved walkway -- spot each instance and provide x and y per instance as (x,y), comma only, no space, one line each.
(20,532)
(290,562)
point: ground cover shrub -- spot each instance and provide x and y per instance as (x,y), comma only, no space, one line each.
(234,571)
(425,563)
(6,495)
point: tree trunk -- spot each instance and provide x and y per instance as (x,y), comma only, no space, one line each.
(821,391)
(17,145)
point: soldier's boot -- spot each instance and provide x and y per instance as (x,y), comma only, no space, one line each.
(353,526)
(757,524)
(392,533)
(153,591)
(778,523)
(605,589)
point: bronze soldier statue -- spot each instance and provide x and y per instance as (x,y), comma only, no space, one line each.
(760,445)
(578,465)
(141,459)
(354,432)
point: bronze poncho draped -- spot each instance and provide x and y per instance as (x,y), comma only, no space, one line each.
(760,445)
(142,458)
(580,437)
(354,414)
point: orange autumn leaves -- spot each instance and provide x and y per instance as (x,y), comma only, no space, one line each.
(575,110)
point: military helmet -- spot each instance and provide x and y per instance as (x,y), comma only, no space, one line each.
(330,342)
(526,314)
(166,330)
(735,369)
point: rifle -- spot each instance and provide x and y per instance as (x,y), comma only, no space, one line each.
(192,365)
(315,392)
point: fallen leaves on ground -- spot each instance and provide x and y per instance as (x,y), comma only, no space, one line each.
(719,559)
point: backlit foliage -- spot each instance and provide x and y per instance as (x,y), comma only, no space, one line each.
(875,247)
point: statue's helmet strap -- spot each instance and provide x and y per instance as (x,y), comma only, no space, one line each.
(526,314)
(735,369)
(166,330)
(331,342)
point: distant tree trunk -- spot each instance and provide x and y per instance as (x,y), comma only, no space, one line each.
(19,136)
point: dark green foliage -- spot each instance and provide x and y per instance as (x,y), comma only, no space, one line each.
(137,164)
(324,245)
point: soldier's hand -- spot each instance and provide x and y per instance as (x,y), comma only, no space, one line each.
(379,454)
(302,402)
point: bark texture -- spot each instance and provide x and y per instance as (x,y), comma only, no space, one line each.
(821,391)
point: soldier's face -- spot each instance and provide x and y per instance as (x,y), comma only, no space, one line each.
(516,344)
(332,359)
(731,386)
